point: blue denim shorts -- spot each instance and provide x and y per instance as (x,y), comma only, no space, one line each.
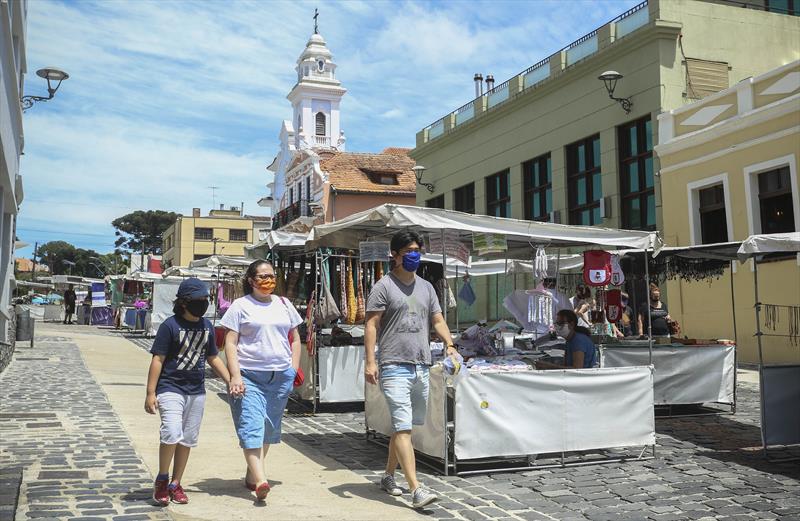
(405,387)
(257,415)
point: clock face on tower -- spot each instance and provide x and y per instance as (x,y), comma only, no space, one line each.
(320,65)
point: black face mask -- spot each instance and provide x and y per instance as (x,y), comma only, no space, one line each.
(197,308)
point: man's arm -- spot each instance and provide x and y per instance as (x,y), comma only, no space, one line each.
(370,338)
(443,331)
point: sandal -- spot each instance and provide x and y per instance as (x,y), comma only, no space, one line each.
(262,490)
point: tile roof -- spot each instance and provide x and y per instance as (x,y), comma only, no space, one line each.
(397,151)
(349,171)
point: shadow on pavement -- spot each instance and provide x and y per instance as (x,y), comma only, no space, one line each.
(334,447)
(372,492)
(730,441)
(217,487)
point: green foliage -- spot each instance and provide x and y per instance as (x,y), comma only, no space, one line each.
(141,231)
(65,259)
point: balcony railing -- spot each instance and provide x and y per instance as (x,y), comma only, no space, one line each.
(294,211)
(625,24)
(322,141)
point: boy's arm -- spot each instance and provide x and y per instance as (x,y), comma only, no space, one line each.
(150,402)
(219,368)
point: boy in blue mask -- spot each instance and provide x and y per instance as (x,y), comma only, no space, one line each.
(176,384)
(401,309)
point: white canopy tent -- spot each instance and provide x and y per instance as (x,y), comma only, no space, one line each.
(769,243)
(388,218)
(216,261)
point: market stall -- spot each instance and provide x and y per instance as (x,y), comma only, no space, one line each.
(779,383)
(503,397)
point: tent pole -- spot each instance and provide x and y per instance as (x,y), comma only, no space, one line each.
(760,356)
(456,295)
(735,341)
(444,272)
(647,299)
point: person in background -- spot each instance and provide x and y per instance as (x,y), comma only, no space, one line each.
(176,385)
(582,304)
(87,309)
(70,299)
(401,309)
(580,352)
(659,315)
(627,322)
(262,346)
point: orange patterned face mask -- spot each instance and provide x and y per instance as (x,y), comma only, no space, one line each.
(266,285)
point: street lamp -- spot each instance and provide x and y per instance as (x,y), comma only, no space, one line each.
(51,74)
(68,263)
(610,78)
(418,171)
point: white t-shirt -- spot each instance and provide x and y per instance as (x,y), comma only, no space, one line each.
(263,329)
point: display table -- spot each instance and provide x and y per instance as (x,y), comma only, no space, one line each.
(523,414)
(683,374)
(339,374)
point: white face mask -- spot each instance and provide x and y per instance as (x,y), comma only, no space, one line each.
(563,330)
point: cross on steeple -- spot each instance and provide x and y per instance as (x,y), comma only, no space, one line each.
(316,15)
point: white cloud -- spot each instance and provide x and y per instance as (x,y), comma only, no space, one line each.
(168,98)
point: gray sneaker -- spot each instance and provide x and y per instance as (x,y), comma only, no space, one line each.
(421,497)
(389,485)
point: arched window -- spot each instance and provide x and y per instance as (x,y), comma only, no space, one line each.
(320,123)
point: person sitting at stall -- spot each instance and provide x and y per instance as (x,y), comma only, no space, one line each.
(659,315)
(582,303)
(580,352)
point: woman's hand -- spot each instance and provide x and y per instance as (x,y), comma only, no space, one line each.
(151,403)
(236,386)
(371,373)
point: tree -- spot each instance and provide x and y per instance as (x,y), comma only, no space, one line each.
(65,259)
(142,231)
(54,253)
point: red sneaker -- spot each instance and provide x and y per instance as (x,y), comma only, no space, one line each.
(262,490)
(177,494)
(161,492)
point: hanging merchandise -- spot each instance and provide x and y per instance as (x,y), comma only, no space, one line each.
(445,294)
(614,305)
(597,315)
(596,268)
(361,312)
(771,318)
(352,305)
(310,333)
(343,290)
(794,325)
(280,281)
(327,311)
(617,276)
(540,307)
(378,271)
(466,293)
(540,264)
(485,243)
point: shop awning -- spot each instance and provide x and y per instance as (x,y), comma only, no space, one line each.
(215,261)
(385,219)
(278,239)
(769,243)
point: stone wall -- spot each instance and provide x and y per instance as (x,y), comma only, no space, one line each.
(7,349)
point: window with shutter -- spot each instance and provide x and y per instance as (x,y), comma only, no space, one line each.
(320,121)
(704,77)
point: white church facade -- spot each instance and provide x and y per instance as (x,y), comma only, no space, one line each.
(315,179)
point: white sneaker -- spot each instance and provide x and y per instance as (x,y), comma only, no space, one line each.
(421,497)
(389,485)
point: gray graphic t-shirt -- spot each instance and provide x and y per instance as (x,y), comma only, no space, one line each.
(405,324)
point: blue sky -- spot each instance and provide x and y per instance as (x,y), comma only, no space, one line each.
(166,99)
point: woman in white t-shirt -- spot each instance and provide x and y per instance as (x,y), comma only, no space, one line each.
(263,351)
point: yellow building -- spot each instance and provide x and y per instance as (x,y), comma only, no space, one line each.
(222,232)
(729,170)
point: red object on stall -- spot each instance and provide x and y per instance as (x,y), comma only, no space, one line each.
(597,268)
(613,305)
(154,266)
(219,336)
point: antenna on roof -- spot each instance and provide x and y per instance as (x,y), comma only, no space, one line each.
(316,15)
(214,196)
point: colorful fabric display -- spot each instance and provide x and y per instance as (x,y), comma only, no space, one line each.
(361,312)
(597,268)
(352,305)
(343,290)
(614,305)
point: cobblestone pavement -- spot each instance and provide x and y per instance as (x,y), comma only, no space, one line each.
(708,467)
(63,451)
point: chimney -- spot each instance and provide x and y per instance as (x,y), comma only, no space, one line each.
(489,82)
(478,84)
(195,212)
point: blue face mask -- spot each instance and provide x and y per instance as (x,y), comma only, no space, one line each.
(411,261)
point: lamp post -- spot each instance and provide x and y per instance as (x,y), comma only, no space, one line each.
(51,74)
(418,171)
(610,79)
(68,263)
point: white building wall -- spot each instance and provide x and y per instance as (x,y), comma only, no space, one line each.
(13,65)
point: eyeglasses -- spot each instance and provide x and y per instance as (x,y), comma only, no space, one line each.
(265,276)
(561,323)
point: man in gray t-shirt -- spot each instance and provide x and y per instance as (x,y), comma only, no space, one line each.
(401,308)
